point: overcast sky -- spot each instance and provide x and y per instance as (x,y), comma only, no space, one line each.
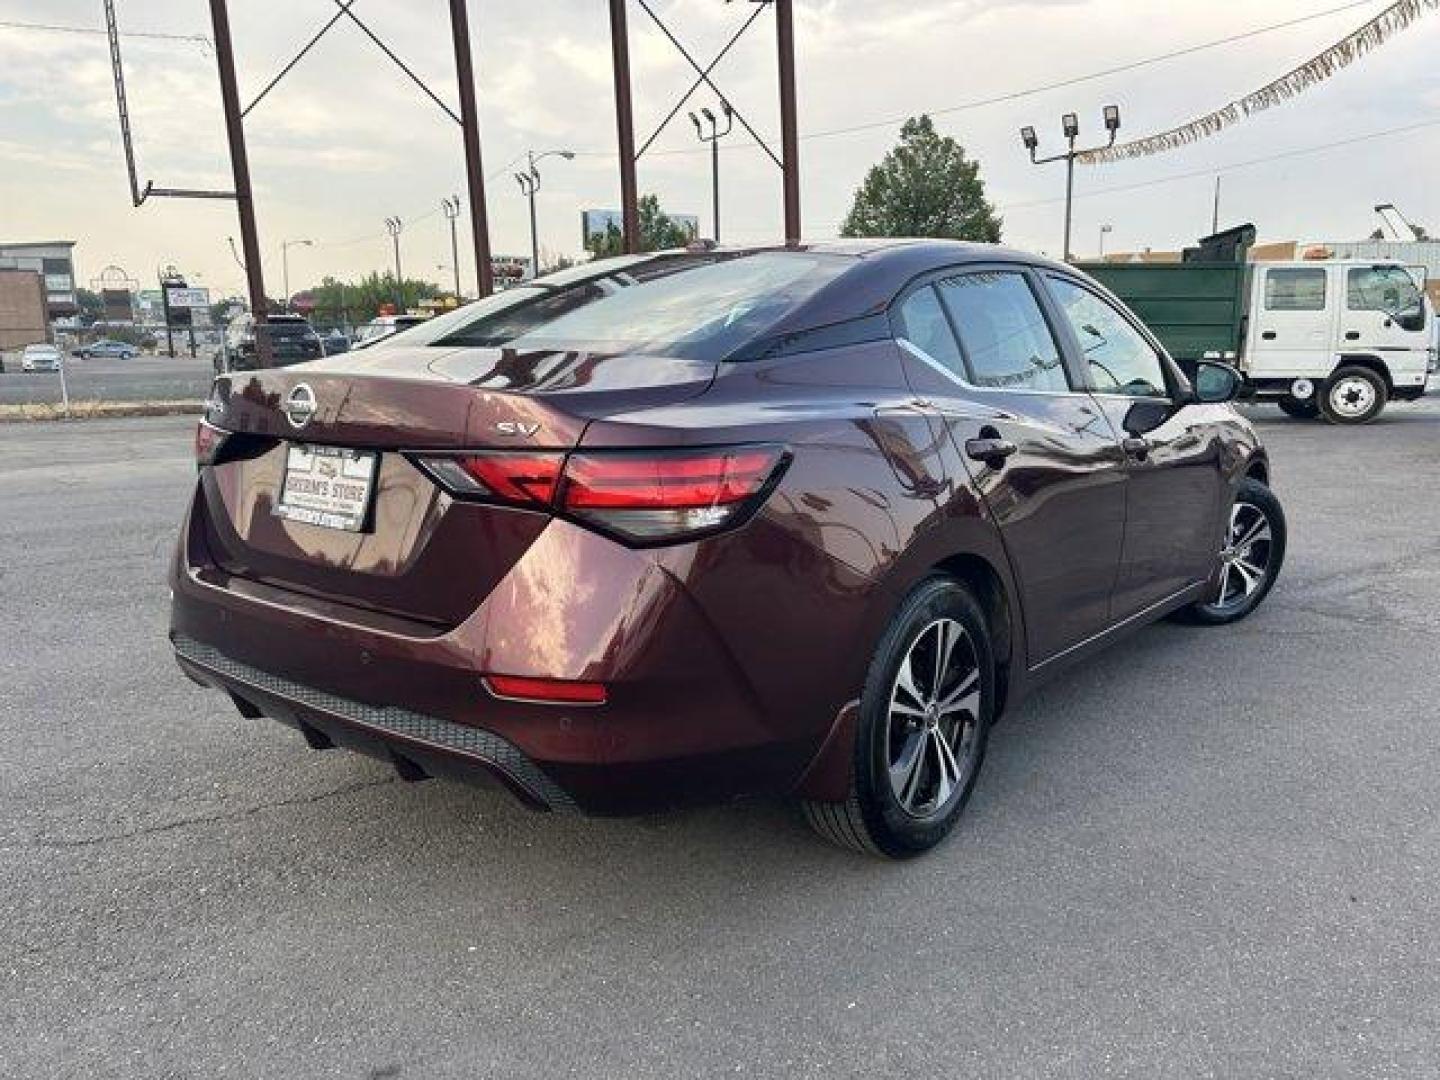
(346,139)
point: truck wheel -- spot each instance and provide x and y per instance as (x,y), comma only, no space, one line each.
(1354,395)
(1300,410)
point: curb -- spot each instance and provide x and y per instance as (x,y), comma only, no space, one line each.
(97,410)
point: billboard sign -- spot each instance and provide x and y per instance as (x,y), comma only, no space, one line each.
(118,305)
(181,296)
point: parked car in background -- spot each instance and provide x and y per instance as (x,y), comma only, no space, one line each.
(107,347)
(694,525)
(335,342)
(292,341)
(40,358)
(383,327)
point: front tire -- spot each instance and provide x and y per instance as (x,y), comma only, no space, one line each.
(1250,557)
(925,715)
(1353,395)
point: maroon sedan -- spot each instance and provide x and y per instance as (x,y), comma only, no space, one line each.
(703,524)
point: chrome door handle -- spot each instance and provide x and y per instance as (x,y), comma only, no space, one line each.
(992,452)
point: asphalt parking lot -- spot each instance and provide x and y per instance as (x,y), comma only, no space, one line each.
(1212,852)
(142,378)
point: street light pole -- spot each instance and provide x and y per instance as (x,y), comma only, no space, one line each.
(285,246)
(394,226)
(713,138)
(529,182)
(1104,230)
(1070,125)
(451,209)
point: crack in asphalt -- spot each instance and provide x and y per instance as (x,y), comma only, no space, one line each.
(52,844)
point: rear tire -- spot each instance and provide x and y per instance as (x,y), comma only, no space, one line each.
(1353,395)
(925,715)
(1300,410)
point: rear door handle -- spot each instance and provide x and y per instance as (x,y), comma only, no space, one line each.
(1138,449)
(1268,335)
(1352,335)
(992,451)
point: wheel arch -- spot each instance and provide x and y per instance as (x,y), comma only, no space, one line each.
(1365,360)
(989,588)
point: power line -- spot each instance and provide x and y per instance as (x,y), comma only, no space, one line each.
(12,24)
(1213,170)
(1076,80)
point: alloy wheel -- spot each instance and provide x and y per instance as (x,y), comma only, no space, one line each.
(1244,558)
(933,719)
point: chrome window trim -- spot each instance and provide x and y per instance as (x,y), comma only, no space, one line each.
(921,355)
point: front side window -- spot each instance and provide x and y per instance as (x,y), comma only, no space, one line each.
(926,327)
(1390,289)
(1117,356)
(1007,343)
(1295,289)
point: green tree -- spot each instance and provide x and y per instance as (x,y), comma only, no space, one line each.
(926,186)
(91,305)
(657,230)
(360,301)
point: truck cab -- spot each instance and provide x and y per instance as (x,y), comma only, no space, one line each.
(1338,337)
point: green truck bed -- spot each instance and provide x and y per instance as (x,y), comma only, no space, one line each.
(1193,308)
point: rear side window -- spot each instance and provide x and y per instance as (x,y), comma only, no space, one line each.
(1007,342)
(1295,289)
(926,327)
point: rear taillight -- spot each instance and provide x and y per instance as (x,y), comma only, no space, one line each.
(208,441)
(651,497)
(642,497)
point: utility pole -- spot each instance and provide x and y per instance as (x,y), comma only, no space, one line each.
(285,246)
(713,138)
(474,172)
(1215,214)
(1070,124)
(624,128)
(451,209)
(393,226)
(789,137)
(529,182)
(240,167)
(1104,230)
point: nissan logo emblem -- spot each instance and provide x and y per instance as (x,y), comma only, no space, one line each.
(300,405)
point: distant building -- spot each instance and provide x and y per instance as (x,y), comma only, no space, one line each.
(54,261)
(23,316)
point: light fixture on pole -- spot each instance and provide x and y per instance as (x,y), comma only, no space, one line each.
(529,182)
(1070,127)
(394,226)
(1104,231)
(1415,230)
(285,246)
(713,137)
(451,208)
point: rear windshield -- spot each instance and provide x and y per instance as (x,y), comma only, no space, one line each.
(286,328)
(692,305)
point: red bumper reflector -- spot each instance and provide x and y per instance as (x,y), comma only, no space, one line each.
(547,691)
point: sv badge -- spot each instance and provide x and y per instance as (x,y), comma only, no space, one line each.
(516,427)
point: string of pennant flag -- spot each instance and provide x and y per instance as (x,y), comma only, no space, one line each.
(1365,39)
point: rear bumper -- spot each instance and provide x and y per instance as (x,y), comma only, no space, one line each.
(682,724)
(419,746)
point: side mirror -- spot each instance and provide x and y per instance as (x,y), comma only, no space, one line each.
(1216,383)
(1146,415)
